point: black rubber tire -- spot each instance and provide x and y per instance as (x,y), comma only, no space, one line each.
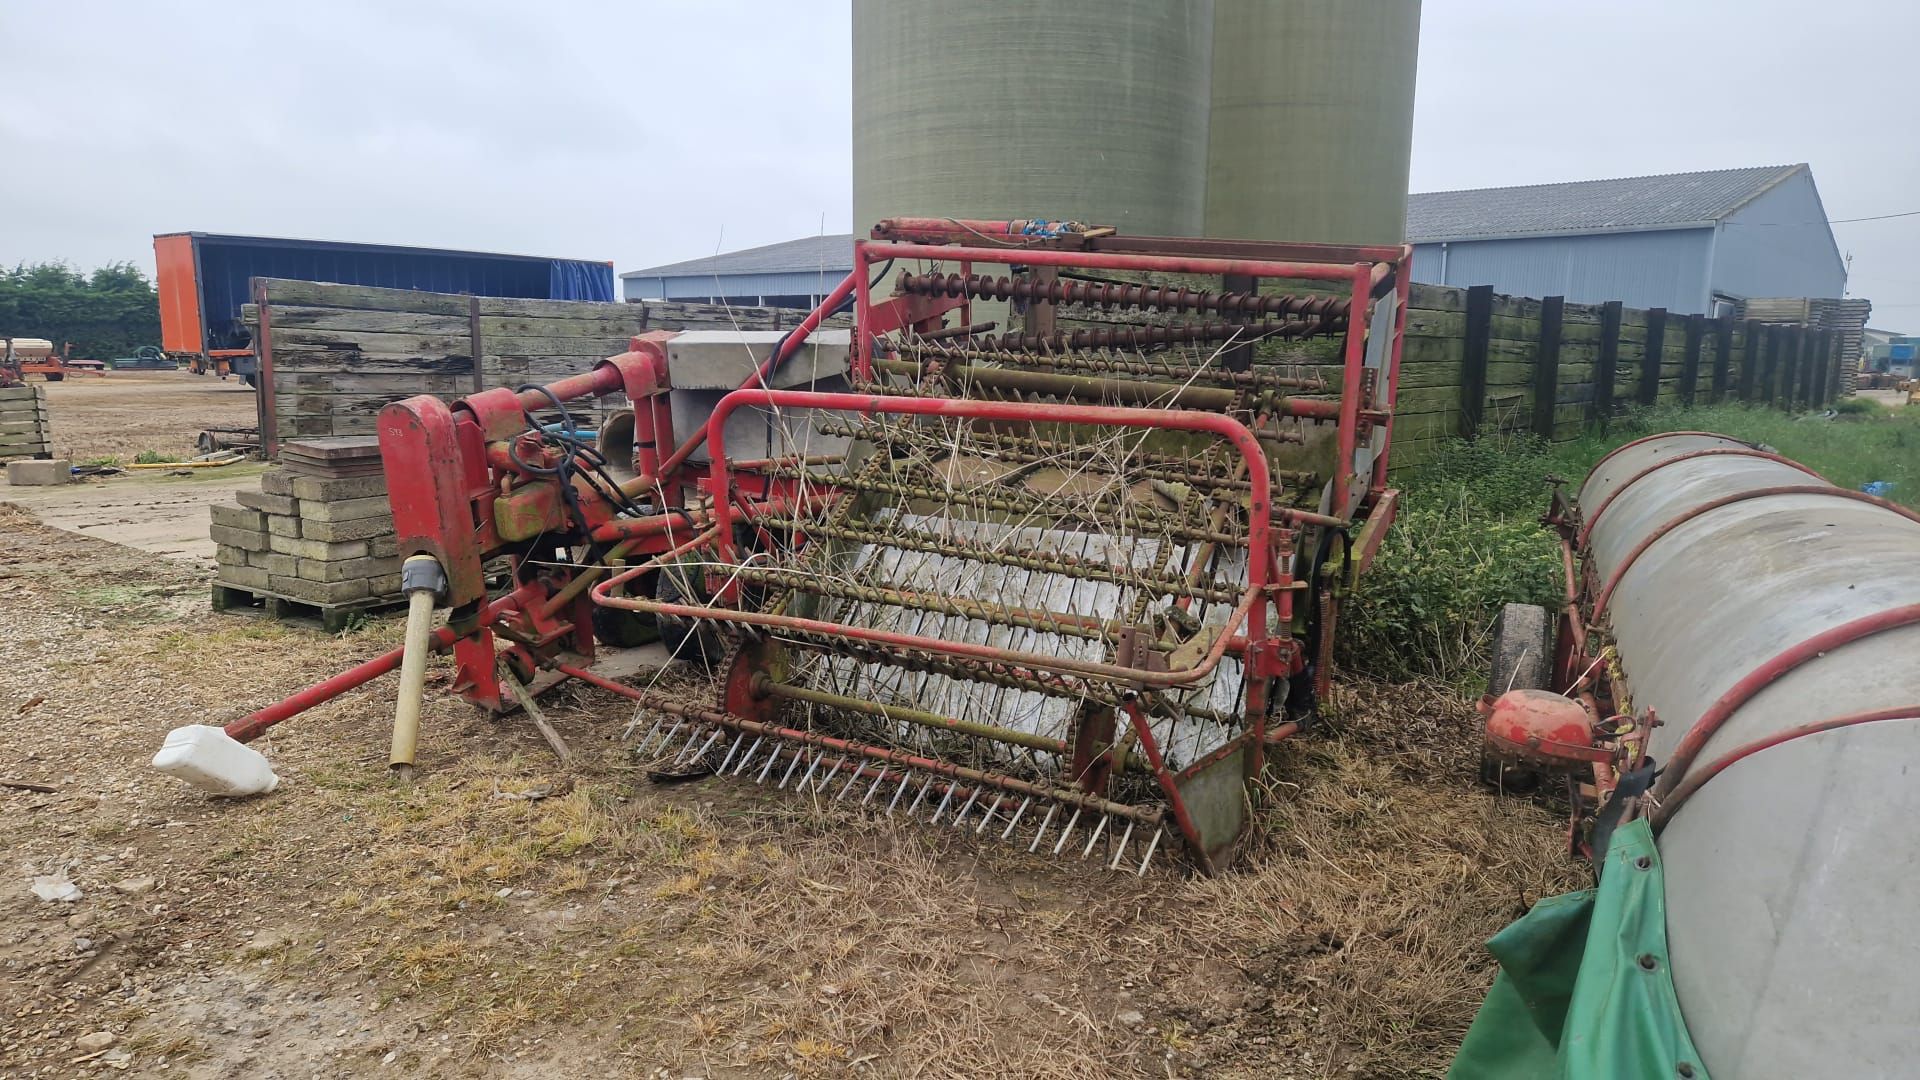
(1522,660)
(623,629)
(696,644)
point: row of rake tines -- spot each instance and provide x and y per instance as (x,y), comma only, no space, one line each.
(663,739)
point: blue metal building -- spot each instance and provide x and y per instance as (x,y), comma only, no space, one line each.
(795,274)
(1688,242)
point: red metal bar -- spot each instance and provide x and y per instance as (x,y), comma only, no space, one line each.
(1145,814)
(1170,784)
(1251,607)
(1592,519)
(600,681)
(1347,438)
(1665,527)
(1763,676)
(1697,778)
(1166,264)
(250,727)
(1604,458)
(1403,289)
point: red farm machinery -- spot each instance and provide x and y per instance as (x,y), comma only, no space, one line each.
(1064,582)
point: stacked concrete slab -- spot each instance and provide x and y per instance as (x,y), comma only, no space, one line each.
(306,541)
(23,423)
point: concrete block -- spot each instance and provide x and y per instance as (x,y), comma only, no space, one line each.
(327,489)
(348,509)
(273,562)
(320,592)
(228,554)
(237,517)
(244,577)
(268,502)
(383,547)
(41,472)
(283,525)
(317,549)
(365,528)
(384,585)
(248,539)
(276,482)
(343,569)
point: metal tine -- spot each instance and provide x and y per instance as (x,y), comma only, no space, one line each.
(914,807)
(960,818)
(877,780)
(853,777)
(641,747)
(1148,857)
(731,750)
(831,773)
(1121,848)
(766,770)
(1067,833)
(798,756)
(1017,815)
(1095,838)
(704,747)
(691,736)
(808,775)
(987,815)
(747,758)
(658,719)
(1044,822)
(906,778)
(952,785)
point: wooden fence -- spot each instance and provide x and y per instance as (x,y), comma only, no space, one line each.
(332,355)
(1477,362)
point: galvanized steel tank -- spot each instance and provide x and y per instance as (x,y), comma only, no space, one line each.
(1312,120)
(1087,109)
(1794,876)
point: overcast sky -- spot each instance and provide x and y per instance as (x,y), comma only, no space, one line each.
(650,132)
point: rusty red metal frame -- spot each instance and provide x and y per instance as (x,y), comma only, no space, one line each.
(1665,527)
(1250,611)
(1728,703)
(1697,778)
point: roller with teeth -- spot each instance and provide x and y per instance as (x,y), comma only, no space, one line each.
(1063,585)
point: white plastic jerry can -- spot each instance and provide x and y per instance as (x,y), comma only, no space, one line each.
(215,762)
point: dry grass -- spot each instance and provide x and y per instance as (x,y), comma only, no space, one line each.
(721,925)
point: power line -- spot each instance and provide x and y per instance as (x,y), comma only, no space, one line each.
(1827,221)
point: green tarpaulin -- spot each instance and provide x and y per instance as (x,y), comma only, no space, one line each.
(1583,991)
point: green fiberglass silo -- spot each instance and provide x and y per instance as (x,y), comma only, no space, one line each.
(1094,110)
(1312,119)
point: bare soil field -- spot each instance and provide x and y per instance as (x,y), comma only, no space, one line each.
(505,917)
(124,412)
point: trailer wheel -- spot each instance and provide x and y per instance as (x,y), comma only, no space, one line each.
(1522,660)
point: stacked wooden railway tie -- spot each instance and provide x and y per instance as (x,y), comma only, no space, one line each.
(315,539)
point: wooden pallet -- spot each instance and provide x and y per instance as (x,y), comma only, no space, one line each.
(332,618)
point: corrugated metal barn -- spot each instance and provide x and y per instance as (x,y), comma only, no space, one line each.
(1693,243)
(796,273)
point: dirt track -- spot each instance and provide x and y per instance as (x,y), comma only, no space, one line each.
(123,413)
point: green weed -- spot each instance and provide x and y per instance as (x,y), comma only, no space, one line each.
(1468,539)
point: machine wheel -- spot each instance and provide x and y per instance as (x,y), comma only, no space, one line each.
(623,629)
(1522,660)
(55,376)
(696,644)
